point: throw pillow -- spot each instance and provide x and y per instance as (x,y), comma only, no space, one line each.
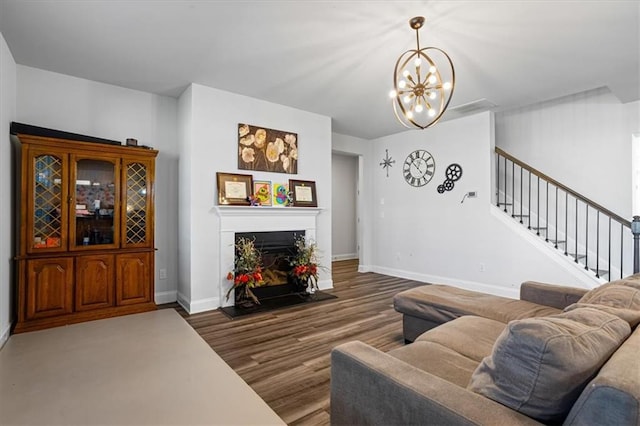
(539,366)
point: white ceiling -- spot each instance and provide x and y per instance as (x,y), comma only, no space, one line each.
(334,58)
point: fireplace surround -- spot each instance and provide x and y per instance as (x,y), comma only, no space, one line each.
(244,219)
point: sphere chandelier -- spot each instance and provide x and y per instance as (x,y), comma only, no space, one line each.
(423,83)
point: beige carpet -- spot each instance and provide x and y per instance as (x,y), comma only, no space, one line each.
(144,369)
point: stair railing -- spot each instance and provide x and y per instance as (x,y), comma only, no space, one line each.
(582,229)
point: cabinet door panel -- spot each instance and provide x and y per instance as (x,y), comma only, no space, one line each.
(49,287)
(47,201)
(137,212)
(95,286)
(95,194)
(133,281)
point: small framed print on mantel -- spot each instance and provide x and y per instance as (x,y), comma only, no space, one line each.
(303,192)
(234,189)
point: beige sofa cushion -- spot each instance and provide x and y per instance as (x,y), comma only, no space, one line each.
(623,294)
(539,366)
(470,336)
(620,298)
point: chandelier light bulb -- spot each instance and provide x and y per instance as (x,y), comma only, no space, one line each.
(402,84)
(409,114)
(432,95)
(432,79)
(432,69)
(407,99)
(446,85)
(418,108)
(405,73)
(432,112)
(417,62)
(393,94)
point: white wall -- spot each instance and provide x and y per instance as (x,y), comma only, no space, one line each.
(211,146)
(344,183)
(582,140)
(87,107)
(7,115)
(423,235)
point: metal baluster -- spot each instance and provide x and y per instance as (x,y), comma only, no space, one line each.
(529,220)
(513,189)
(521,197)
(556,244)
(497,179)
(546,220)
(566,223)
(537,203)
(576,230)
(609,248)
(598,244)
(621,248)
(586,238)
(505,185)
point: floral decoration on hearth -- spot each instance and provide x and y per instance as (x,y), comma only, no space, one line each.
(267,150)
(247,271)
(305,263)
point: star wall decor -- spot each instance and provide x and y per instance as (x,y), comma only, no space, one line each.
(387,162)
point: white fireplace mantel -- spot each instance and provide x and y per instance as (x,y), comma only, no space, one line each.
(235,219)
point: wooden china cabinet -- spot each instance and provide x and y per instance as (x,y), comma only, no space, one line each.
(85,246)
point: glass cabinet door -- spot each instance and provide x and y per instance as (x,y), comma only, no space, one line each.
(137,214)
(46,221)
(94,218)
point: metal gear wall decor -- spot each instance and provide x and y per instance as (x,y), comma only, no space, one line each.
(387,162)
(452,174)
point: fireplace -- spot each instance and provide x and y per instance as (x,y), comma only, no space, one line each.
(242,219)
(276,248)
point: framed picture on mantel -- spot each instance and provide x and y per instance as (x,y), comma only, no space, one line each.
(234,189)
(303,193)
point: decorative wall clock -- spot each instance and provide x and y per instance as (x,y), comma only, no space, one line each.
(418,168)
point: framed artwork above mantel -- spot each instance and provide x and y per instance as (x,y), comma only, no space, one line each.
(267,150)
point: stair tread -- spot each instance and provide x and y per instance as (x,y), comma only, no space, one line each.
(520,215)
(579,256)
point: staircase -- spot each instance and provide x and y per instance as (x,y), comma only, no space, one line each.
(587,234)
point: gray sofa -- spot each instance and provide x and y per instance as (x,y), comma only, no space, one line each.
(559,355)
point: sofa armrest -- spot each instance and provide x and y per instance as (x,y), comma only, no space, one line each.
(370,387)
(556,296)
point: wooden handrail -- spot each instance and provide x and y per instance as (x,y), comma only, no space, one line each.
(582,198)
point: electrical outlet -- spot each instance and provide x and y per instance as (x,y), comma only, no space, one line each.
(472,194)
(162,274)
(482,267)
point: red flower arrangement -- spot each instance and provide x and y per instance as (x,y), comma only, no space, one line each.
(304,264)
(247,271)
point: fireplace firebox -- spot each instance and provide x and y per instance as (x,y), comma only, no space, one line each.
(276,248)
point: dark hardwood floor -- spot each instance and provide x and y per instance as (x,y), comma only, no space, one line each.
(284,354)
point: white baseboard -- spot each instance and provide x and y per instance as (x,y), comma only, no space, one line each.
(325,284)
(198,306)
(512,293)
(4,336)
(166,297)
(364,268)
(348,256)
